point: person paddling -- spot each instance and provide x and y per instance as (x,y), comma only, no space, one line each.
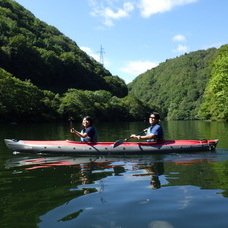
(155,132)
(88,134)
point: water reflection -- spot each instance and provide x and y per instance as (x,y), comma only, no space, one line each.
(77,185)
(84,171)
(155,169)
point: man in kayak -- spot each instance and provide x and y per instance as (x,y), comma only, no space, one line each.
(88,134)
(155,132)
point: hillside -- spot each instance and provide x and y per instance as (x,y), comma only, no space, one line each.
(31,49)
(215,98)
(44,74)
(177,85)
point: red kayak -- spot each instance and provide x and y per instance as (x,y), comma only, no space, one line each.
(73,147)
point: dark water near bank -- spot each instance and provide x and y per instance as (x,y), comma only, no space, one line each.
(155,191)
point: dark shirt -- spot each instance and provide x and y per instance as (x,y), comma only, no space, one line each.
(156,130)
(92,135)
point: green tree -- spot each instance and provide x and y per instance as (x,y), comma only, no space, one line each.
(177,85)
(215,104)
(78,103)
(136,109)
(116,86)
(21,100)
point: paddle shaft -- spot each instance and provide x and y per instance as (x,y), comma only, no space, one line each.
(120,141)
(139,133)
(71,126)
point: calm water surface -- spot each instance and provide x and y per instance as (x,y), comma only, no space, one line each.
(154,191)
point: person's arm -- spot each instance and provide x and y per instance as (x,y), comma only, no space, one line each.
(151,136)
(79,134)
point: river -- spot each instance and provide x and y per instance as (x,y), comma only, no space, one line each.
(155,191)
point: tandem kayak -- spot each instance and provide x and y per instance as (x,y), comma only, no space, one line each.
(104,148)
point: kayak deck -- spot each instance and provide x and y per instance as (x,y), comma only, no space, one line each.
(73,147)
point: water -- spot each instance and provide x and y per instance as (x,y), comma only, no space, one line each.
(168,191)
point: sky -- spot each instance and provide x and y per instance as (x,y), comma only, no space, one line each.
(132,36)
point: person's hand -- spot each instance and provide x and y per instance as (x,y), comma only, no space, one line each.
(72,130)
(133,136)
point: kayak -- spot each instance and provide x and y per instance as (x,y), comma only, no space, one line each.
(106,148)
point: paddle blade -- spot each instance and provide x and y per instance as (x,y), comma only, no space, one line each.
(118,142)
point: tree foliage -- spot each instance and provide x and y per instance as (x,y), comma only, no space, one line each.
(177,85)
(31,49)
(102,106)
(21,100)
(215,105)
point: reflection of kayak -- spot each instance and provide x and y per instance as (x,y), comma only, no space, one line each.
(72,147)
(35,161)
(31,162)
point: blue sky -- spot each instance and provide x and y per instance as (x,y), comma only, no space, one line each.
(136,35)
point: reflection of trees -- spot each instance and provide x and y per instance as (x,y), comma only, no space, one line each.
(71,216)
(155,169)
(203,173)
(46,188)
(198,172)
(221,170)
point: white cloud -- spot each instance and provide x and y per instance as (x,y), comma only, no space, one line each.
(138,67)
(150,7)
(109,14)
(179,38)
(111,10)
(181,48)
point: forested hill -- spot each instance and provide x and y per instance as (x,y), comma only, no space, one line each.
(31,49)
(64,81)
(177,85)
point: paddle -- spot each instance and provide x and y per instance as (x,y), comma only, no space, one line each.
(120,141)
(71,126)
